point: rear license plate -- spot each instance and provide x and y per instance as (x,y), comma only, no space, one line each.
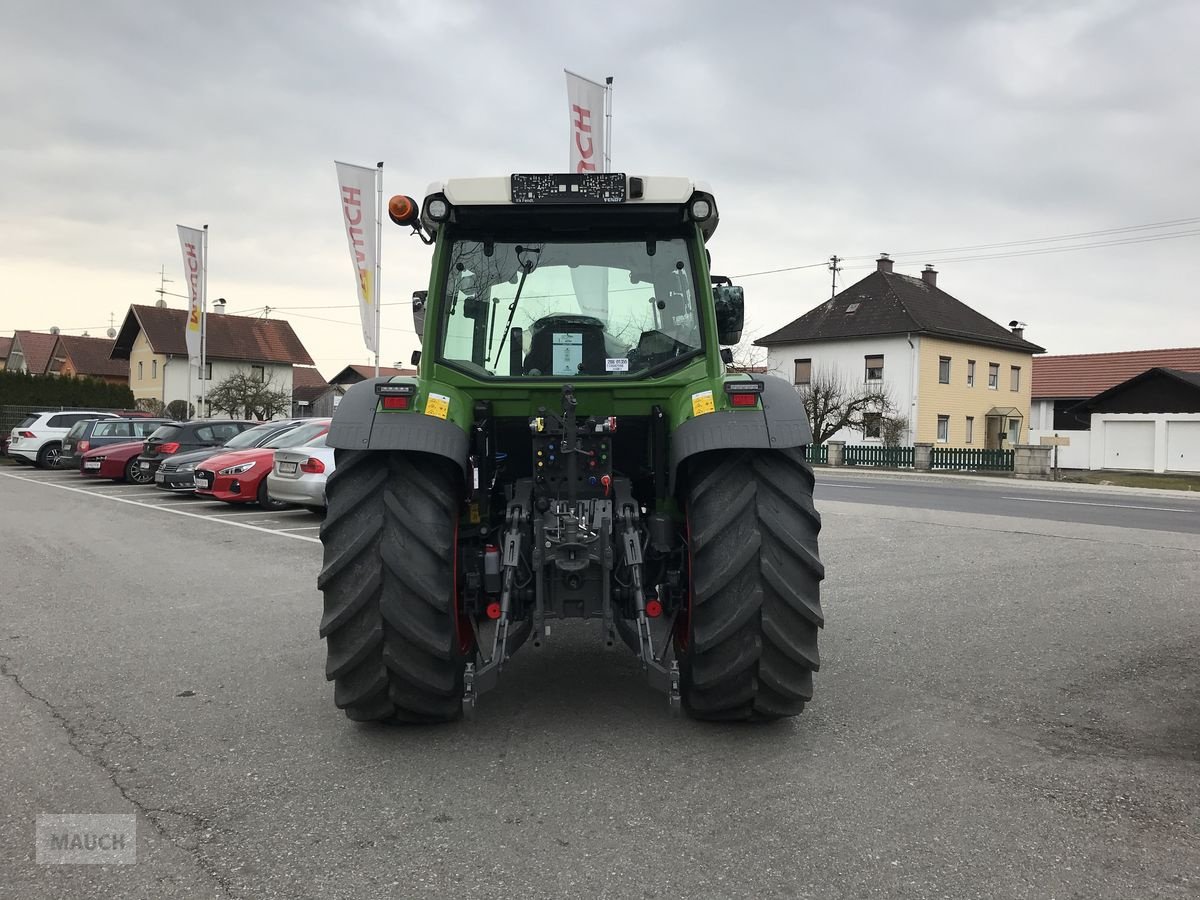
(287,468)
(91,464)
(143,465)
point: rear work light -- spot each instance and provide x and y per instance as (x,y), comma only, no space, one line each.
(743,393)
(396,396)
(170,447)
(312,466)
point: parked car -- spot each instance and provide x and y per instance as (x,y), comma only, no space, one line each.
(175,473)
(88,434)
(37,438)
(182,437)
(116,461)
(241,476)
(299,474)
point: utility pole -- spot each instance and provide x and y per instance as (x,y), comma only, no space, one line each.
(834,268)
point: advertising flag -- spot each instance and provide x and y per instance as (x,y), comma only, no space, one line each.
(585,103)
(191,240)
(357,187)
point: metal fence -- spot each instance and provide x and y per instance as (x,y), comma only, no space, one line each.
(972,458)
(817,454)
(877,455)
(11,415)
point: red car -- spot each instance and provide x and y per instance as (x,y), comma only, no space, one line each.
(241,476)
(113,461)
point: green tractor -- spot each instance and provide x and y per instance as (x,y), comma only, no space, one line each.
(575,445)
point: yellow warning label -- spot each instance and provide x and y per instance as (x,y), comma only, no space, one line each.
(439,405)
(473,511)
(703,403)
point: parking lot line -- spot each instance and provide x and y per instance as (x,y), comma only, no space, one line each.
(1086,503)
(301,528)
(174,512)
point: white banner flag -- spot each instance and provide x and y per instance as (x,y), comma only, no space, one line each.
(191,240)
(585,103)
(357,187)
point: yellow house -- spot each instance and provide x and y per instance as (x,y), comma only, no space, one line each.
(950,374)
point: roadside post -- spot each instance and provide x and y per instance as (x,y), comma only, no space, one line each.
(1054,441)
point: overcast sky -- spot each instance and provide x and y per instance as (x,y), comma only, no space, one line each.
(847,128)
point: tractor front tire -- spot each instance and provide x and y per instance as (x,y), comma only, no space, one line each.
(390,620)
(750,646)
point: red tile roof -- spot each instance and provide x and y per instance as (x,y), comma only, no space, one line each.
(307,384)
(36,345)
(5,344)
(90,355)
(239,338)
(1088,374)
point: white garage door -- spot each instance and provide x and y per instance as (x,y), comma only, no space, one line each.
(1183,446)
(1129,445)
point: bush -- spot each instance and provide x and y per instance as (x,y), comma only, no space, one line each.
(23,389)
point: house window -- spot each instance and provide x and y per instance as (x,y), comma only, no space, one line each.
(1015,373)
(993,376)
(154,368)
(970,373)
(139,371)
(970,430)
(874,368)
(943,370)
(208,371)
(1014,431)
(943,429)
(803,371)
(872,426)
(257,373)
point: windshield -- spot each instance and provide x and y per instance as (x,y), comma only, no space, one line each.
(299,435)
(251,437)
(78,428)
(568,308)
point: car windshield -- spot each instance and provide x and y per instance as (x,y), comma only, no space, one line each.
(164,431)
(252,437)
(27,421)
(78,429)
(301,434)
(568,308)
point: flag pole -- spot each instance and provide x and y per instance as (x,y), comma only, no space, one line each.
(378,253)
(608,92)
(203,324)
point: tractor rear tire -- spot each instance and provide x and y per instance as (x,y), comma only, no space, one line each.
(750,648)
(390,620)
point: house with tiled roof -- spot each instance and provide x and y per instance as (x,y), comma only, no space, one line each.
(355,373)
(30,351)
(5,347)
(957,377)
(151,339)
(81,356)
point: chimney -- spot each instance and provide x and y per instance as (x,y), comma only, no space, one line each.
(929,275)
(883,264)
(1018,328)
(219,306)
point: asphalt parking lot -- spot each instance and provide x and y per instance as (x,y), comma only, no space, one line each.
(1007,708)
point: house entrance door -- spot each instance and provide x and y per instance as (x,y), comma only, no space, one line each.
(995,427)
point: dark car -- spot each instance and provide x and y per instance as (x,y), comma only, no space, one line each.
(182,437)
(92,433)
(177,473)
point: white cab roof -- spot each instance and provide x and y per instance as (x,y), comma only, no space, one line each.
(497,190)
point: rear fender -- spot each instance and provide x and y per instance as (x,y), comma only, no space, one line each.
(358,425)
(781,423)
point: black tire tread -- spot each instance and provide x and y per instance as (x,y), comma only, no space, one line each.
(387,580)
(756,574)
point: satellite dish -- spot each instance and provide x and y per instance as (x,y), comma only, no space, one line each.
(112,332)
(54,329)
(161,303)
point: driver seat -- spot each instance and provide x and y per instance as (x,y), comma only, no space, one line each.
(540,359)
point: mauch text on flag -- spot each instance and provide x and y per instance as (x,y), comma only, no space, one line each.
(585,102)
(191,241)
(357,187)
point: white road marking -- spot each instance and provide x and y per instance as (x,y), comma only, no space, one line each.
(302,528)
(1108,505)
(174,512)
(849,487)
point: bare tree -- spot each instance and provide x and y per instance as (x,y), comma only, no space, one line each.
(152,405)
(832,403)
(243,394)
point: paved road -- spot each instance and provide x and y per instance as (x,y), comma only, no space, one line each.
(1020,499)
(1007,709)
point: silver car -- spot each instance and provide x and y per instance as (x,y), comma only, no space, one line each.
(299,473)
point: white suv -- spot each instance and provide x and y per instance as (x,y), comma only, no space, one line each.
(38,438)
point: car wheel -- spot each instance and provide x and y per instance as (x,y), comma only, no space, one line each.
(264,498)
(135,475)
(47,457)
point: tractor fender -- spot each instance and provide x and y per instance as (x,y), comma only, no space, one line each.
(358,426)
(782,423)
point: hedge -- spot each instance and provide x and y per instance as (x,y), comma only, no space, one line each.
(23,389)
